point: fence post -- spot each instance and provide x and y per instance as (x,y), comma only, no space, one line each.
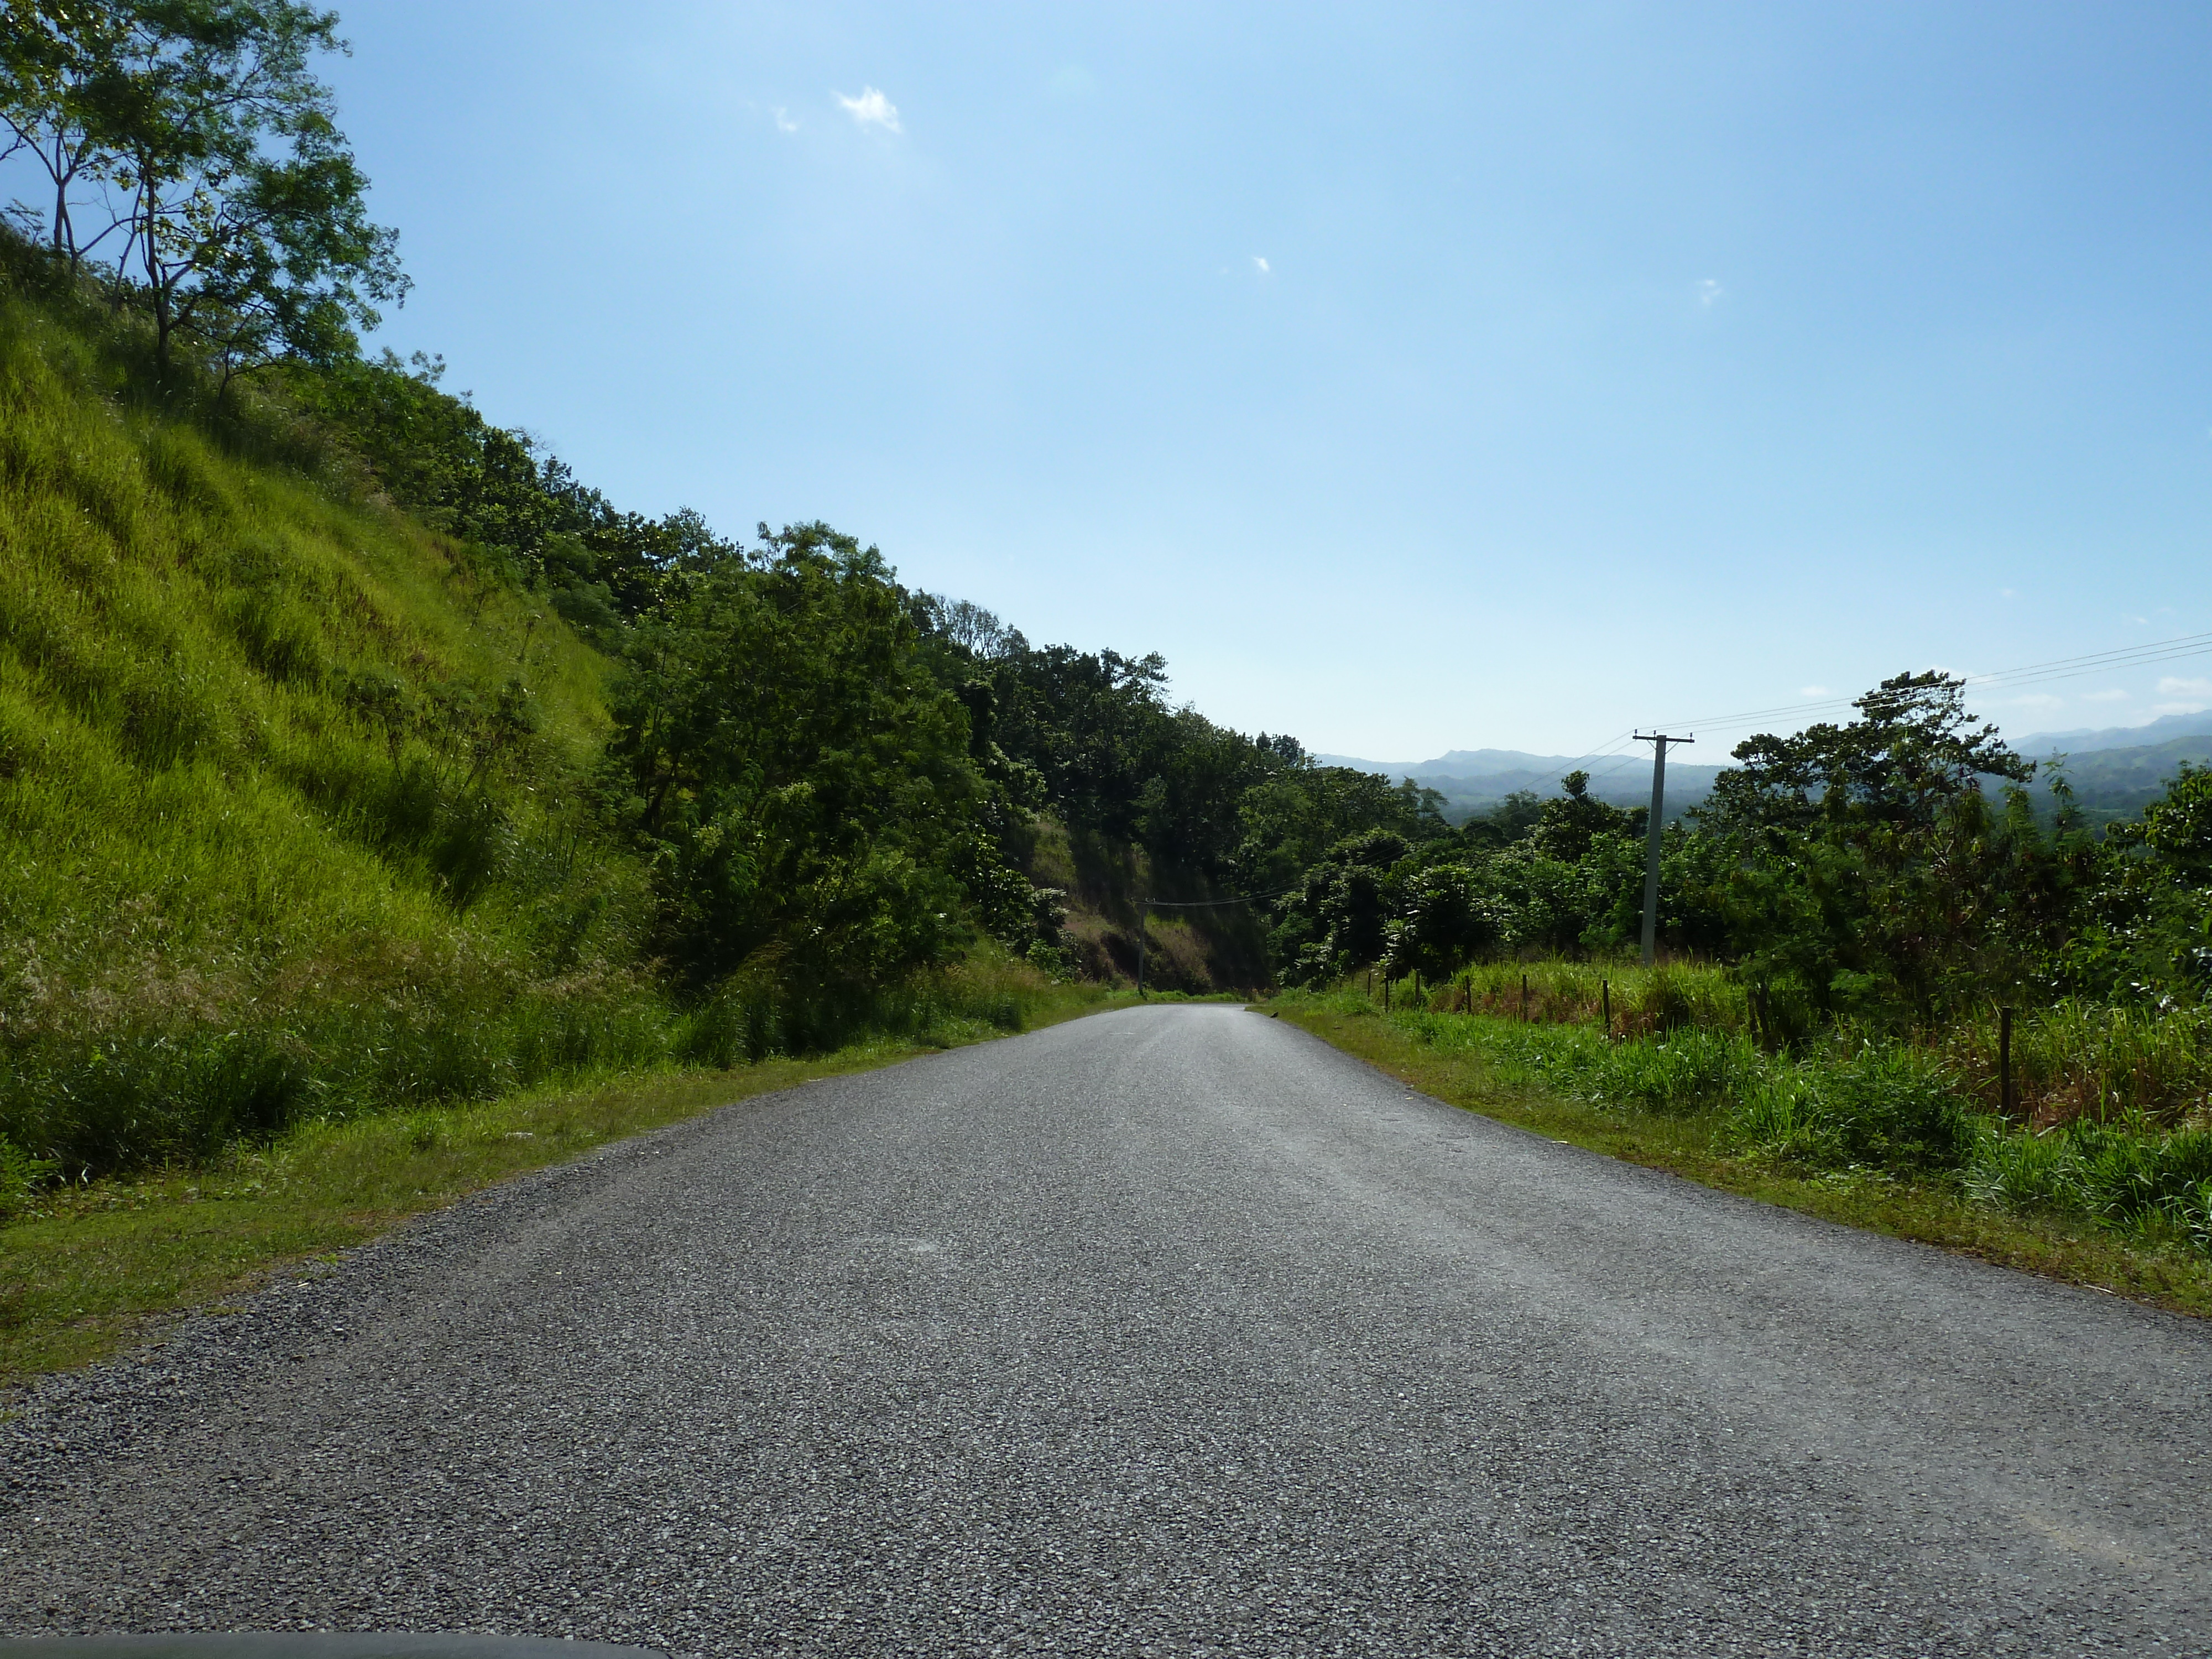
(2004,1061)
(1524,998)
(1605,1002)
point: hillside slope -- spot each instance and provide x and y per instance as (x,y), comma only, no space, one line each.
(278,776)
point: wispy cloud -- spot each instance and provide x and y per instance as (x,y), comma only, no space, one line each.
(1260,265)
(2110,694)
(871,109)
(2171,685)
(1814,691)
(783,121)
(1710,290)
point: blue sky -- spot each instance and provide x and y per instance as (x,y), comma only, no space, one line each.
(1412,377)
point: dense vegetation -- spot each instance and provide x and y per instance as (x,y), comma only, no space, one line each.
(354,752)
(1859,913)
(1890,873)
(2106,1130)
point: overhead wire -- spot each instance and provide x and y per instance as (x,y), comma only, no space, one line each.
(2056,669)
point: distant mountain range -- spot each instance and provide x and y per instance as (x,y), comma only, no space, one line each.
(2115,772)
(1472,781)
(2039,744)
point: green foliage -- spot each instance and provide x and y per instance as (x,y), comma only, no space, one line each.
(1340,917)
(236,214)
(1874,877)
(288,830)
(1886,1106)
(2146,930)
(2127,1176)
(1450,915)
(21,1177)
(2114,1099)
(803,786)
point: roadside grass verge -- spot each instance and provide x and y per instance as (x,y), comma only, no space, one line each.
(1713,1109)
(87,1270)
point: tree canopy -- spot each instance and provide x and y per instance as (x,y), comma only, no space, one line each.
(189,143)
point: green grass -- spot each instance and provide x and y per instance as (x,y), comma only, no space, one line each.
(291,813)
(1882,1137)
(87,1270)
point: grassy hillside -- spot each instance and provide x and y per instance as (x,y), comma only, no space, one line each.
(279,777)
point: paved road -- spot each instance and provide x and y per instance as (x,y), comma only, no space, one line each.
(1170,1331)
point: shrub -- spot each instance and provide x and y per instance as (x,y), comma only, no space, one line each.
(1883,1107)
(21,1177)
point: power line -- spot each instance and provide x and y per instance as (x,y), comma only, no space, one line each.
(1207,904)
(1144,904)
(2059,668)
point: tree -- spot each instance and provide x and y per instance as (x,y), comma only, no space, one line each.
(2148,931)
(1567,823)
(1872,873)
(1451,916)
(1914,751)
(1339,918)
(804,788)
(56,58)
(241,211)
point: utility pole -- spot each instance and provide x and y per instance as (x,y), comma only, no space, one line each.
(1658,741)
(1144,908)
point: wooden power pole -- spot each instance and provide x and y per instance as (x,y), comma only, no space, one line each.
(1658,741)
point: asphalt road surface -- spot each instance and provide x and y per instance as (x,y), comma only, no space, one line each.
(1169,1331)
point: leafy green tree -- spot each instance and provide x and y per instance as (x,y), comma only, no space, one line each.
(2146,933)
(243,222)
(1339,919)
(1875,875)
(1913,752)
(806,788)
(1567,824)
(55,60)
(1509,819)
(1450,915)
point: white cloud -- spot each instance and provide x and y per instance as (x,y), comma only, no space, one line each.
(1709,290)
(2171,685)
(1260,265)
(2111,694)
(2039,700)
(1813,691)
(2180,707)
(783,121)
(871,109)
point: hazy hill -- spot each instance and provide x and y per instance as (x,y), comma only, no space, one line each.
(2163,730)
(1472,780)
(2115,771)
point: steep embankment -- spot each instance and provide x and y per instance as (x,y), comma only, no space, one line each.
(1195,943)
(291,802)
